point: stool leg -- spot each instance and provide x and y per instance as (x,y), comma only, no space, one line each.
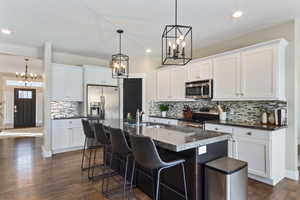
(157,184)
(125,178)
(83,154)
(184,181)
(132,175)
(89,167)
(94,163)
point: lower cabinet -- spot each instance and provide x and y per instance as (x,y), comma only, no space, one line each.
(263,150)
(67,135)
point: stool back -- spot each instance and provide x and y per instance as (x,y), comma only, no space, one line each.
(87,129)
(118,142)
(101,133)
(145,152)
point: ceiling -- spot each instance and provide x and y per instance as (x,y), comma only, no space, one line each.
(87,27)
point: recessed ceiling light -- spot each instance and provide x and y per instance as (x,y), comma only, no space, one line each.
(148,50)
(237,14)
(6,31)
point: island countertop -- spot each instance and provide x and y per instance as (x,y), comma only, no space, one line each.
(174,138)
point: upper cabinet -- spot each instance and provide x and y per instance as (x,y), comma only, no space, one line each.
(171,83)
(98,75)
(67,83)
(226,80)
(252,73)
(200,70)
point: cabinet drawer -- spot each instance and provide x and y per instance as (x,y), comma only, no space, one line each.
(66,123)
(251,133)
(218,128)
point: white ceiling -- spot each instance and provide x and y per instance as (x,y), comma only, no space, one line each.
(87,27)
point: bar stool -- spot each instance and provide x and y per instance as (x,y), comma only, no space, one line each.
(102,136)
(146,155)
(121,152)
(90,144)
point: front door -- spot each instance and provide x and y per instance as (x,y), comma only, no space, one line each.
(24,108)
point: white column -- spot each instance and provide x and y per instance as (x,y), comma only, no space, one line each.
(47,99)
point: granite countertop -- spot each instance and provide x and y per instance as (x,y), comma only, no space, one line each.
(173,138)
(267,127)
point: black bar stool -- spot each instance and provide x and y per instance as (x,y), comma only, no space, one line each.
(102,134)
(146,155)
(90,144)
(121,152)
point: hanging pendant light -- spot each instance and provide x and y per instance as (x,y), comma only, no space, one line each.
(120,62)
(27,77)
(176,43)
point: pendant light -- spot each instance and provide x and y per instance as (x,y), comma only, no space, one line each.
(176,43)
(120,62)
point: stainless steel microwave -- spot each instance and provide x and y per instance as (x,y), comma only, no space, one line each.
(199,89)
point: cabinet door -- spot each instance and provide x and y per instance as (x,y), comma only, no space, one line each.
(201,70)
(226,77)
(255,152)
(178,79)
(61,138)
(74,84)
(258,73)
(58,79)
(99,75)
(151,86)
(163,84)
(77,137)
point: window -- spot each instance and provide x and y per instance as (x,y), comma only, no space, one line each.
(22,83)
(25,94)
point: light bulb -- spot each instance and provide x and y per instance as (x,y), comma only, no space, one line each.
(178,41)
(174,46)
(170,44)
(183,44)
(181,37)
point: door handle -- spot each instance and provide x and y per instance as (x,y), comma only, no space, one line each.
(15,109)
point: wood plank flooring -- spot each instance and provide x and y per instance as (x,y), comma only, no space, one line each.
(25,175)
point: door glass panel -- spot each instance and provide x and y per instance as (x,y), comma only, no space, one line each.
(23,94)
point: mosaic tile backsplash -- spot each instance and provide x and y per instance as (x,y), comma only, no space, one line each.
(60,109)
(241,111)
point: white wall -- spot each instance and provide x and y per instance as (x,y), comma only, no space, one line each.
(297,64)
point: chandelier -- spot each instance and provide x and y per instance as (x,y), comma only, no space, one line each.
(176,43)
(120,62)
(27,77)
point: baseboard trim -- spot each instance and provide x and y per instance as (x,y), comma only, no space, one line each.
(292,174)
(55,151)
(45,153)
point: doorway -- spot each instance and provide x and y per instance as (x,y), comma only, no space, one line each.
(132,96)
(24,108)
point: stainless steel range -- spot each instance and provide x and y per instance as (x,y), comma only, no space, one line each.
(198,119)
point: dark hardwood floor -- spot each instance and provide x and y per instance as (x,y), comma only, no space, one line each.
(25,175)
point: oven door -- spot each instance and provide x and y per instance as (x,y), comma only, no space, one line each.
(206,91)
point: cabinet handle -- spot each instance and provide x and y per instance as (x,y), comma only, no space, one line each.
(242,94)
(216,129)
(237,94)
(249,133)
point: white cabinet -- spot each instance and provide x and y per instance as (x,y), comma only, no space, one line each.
(263,150)
(226,80)
(98,75)
(164,84)
(178,79)
(67,135)
(67,83)
(200,70)
(151,81)
(251,73)
(171,83)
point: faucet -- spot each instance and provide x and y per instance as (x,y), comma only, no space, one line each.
(139,116)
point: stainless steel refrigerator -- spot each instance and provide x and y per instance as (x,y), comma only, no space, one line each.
(103,102)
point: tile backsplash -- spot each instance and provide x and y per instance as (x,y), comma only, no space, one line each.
(243,111)
(65,109)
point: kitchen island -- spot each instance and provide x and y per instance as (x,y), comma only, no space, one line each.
(196,146)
